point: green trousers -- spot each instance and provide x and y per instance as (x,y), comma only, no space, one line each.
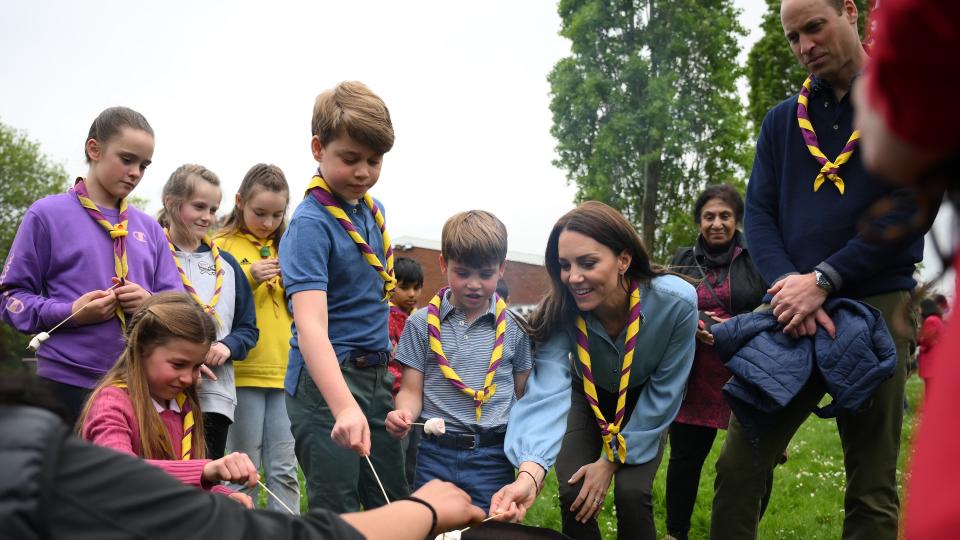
(338,479)
(870,439)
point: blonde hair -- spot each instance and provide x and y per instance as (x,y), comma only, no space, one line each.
(474,238)
(352,108)
(180,187)
(109,123)
(260,176)
(161,318)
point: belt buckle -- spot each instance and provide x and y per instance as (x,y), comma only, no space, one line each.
(360,361)
(474,443)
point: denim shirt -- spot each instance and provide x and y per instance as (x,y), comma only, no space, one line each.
(661,362)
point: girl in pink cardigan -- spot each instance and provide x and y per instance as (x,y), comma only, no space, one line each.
(147,404)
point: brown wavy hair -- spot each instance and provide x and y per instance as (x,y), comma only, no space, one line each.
(161,318)
(608,227)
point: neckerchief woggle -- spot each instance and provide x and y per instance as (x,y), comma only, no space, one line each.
(613,440)
(829,170)
(118,234)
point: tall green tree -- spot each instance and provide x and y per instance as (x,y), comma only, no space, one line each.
(773,72)
(26,174)
(645,110)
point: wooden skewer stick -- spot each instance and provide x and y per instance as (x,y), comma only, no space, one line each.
(495,516)
(274,495)
(375,475)
(72,315)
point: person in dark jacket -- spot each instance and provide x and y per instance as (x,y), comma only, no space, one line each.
(729,285)
(807,192)
(54,486)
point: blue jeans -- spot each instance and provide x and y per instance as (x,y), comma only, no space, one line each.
(481,472)
(261,429)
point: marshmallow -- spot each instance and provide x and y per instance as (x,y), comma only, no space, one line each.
(38,340)
(452,535)
(435,426)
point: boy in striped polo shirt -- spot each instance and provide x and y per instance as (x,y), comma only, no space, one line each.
(466,360)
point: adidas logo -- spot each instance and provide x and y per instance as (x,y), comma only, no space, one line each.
(244,261)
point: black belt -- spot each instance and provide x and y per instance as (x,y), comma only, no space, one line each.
(365,359)
(467,441)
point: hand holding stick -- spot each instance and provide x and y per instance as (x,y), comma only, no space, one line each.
(43,336)
(274,495)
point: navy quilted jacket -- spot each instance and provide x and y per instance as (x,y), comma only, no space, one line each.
(769,367)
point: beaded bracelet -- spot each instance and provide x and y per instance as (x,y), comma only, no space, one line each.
(433,513)
(536,485)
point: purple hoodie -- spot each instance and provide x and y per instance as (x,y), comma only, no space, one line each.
(61,253)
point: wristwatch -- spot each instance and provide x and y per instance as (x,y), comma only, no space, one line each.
(822,281)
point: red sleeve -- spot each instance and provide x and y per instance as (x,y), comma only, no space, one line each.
(112,424)
(397,321)
(930,331)
(914,61)
(933,492)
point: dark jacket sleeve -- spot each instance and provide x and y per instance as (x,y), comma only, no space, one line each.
(761,224)
(747,286)
(243,334)
(98,493)
(861,258)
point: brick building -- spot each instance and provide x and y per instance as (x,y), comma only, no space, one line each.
(525,275)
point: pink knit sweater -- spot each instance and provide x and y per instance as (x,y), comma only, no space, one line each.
(113,424)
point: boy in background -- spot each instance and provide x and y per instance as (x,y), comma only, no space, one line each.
(409,276)
(466,360)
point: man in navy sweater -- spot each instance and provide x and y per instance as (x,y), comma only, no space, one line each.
(807,192)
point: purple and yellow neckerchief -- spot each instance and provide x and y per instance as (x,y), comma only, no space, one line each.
(433,327)
(209,307)
(613,440)
(830,169)
(118,234)
(186,444)
(322,193)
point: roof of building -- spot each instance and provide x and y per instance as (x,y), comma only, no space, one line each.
(403,243)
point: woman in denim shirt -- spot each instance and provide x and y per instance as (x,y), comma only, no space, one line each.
(605,297)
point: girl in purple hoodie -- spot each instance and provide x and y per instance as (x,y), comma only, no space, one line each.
(86,253)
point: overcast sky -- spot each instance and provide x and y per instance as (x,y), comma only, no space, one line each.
(230,84)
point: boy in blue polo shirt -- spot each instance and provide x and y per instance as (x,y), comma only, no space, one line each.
(466,360)
(337,267)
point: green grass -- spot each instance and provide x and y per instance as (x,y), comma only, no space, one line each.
(807,500)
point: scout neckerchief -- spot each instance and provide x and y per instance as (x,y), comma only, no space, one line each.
(321,192)
(211,307)
(186,444)
(433,326)
(610,430)
(830,169)
(118,233)
(263,247)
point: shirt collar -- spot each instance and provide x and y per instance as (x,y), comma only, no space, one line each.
(818,85)
(173,406)
(447,307)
